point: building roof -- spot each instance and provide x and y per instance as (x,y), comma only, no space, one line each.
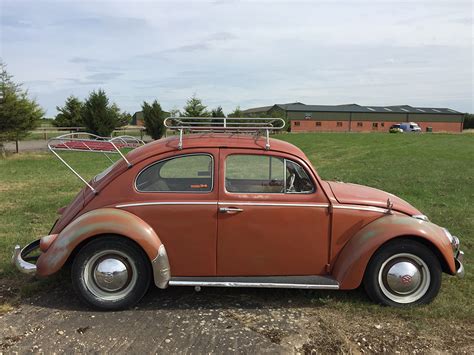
(267,108)
(368,109)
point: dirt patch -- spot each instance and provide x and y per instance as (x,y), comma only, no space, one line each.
(14,186)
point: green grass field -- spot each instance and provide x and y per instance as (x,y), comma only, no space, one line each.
(433,172)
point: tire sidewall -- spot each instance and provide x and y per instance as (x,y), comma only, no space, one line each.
(371,281)
(134,254)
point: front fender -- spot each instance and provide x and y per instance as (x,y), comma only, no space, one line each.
(106,221)
(352,261)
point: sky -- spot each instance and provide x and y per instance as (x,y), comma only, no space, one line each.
(242,53)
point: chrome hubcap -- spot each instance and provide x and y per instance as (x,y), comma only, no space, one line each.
(404,278)
(110,275)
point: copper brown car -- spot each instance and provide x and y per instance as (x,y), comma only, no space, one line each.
(222,204)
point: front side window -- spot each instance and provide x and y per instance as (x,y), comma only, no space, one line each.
(265,174)
(187,173)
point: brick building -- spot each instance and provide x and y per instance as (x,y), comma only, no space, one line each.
(357,118)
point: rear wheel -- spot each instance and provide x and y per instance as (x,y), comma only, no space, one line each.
(402,273)
(111,273)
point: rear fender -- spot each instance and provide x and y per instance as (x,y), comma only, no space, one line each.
(106,221)
(352,261)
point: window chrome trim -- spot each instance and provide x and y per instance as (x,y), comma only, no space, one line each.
(174,192)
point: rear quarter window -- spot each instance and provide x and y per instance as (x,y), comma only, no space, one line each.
(186,173)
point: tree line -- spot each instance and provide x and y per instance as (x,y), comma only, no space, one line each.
(20,114)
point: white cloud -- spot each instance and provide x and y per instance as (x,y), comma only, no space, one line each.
(243,53)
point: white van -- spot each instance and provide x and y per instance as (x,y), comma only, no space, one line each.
(410,127)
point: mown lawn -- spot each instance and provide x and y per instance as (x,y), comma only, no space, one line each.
(435,172)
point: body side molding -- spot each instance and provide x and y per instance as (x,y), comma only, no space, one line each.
(300,282)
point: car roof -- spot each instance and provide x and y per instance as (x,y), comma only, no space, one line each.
(212,140)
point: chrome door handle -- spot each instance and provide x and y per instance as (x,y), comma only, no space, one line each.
(229,210)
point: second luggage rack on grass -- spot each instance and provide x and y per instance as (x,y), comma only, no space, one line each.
(249,125)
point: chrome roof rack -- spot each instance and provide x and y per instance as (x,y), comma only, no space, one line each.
(253,125)
(91,143)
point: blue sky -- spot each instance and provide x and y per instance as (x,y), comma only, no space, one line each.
(246,53)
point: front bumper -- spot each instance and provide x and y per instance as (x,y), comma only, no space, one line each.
(22,257)
(458,262)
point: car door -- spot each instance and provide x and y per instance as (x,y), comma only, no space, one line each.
(176,194)
(273,216)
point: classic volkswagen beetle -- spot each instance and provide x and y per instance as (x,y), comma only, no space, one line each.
(238,210)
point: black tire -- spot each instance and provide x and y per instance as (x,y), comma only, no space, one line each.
(99,263)
(414,277)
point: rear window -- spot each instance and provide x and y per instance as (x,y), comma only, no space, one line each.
(186,173)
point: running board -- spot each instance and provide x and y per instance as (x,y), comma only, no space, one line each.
(303,282)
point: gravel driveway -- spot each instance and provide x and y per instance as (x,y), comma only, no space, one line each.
(180,320)
(27,146)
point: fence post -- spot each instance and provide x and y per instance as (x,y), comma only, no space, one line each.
(16,144)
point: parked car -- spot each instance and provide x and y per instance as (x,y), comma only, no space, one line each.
(405,127)
(395,128)
(237,210)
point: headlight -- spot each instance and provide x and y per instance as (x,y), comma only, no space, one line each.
(422,217)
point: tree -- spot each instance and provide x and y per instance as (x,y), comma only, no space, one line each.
(125,118)
(236,113)
(195,108)
(154,117)
(468,121)
(100,117)
(175,112)
(70,114)
(217,112)
(18,113)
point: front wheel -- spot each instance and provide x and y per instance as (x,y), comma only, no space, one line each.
(403,273)
(111,273)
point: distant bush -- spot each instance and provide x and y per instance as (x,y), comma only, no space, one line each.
(468,121)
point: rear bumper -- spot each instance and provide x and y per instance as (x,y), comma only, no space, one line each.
(458,262)
(22,257)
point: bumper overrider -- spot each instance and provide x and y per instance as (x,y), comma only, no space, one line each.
(458,253)
(22,257)
(459,266)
